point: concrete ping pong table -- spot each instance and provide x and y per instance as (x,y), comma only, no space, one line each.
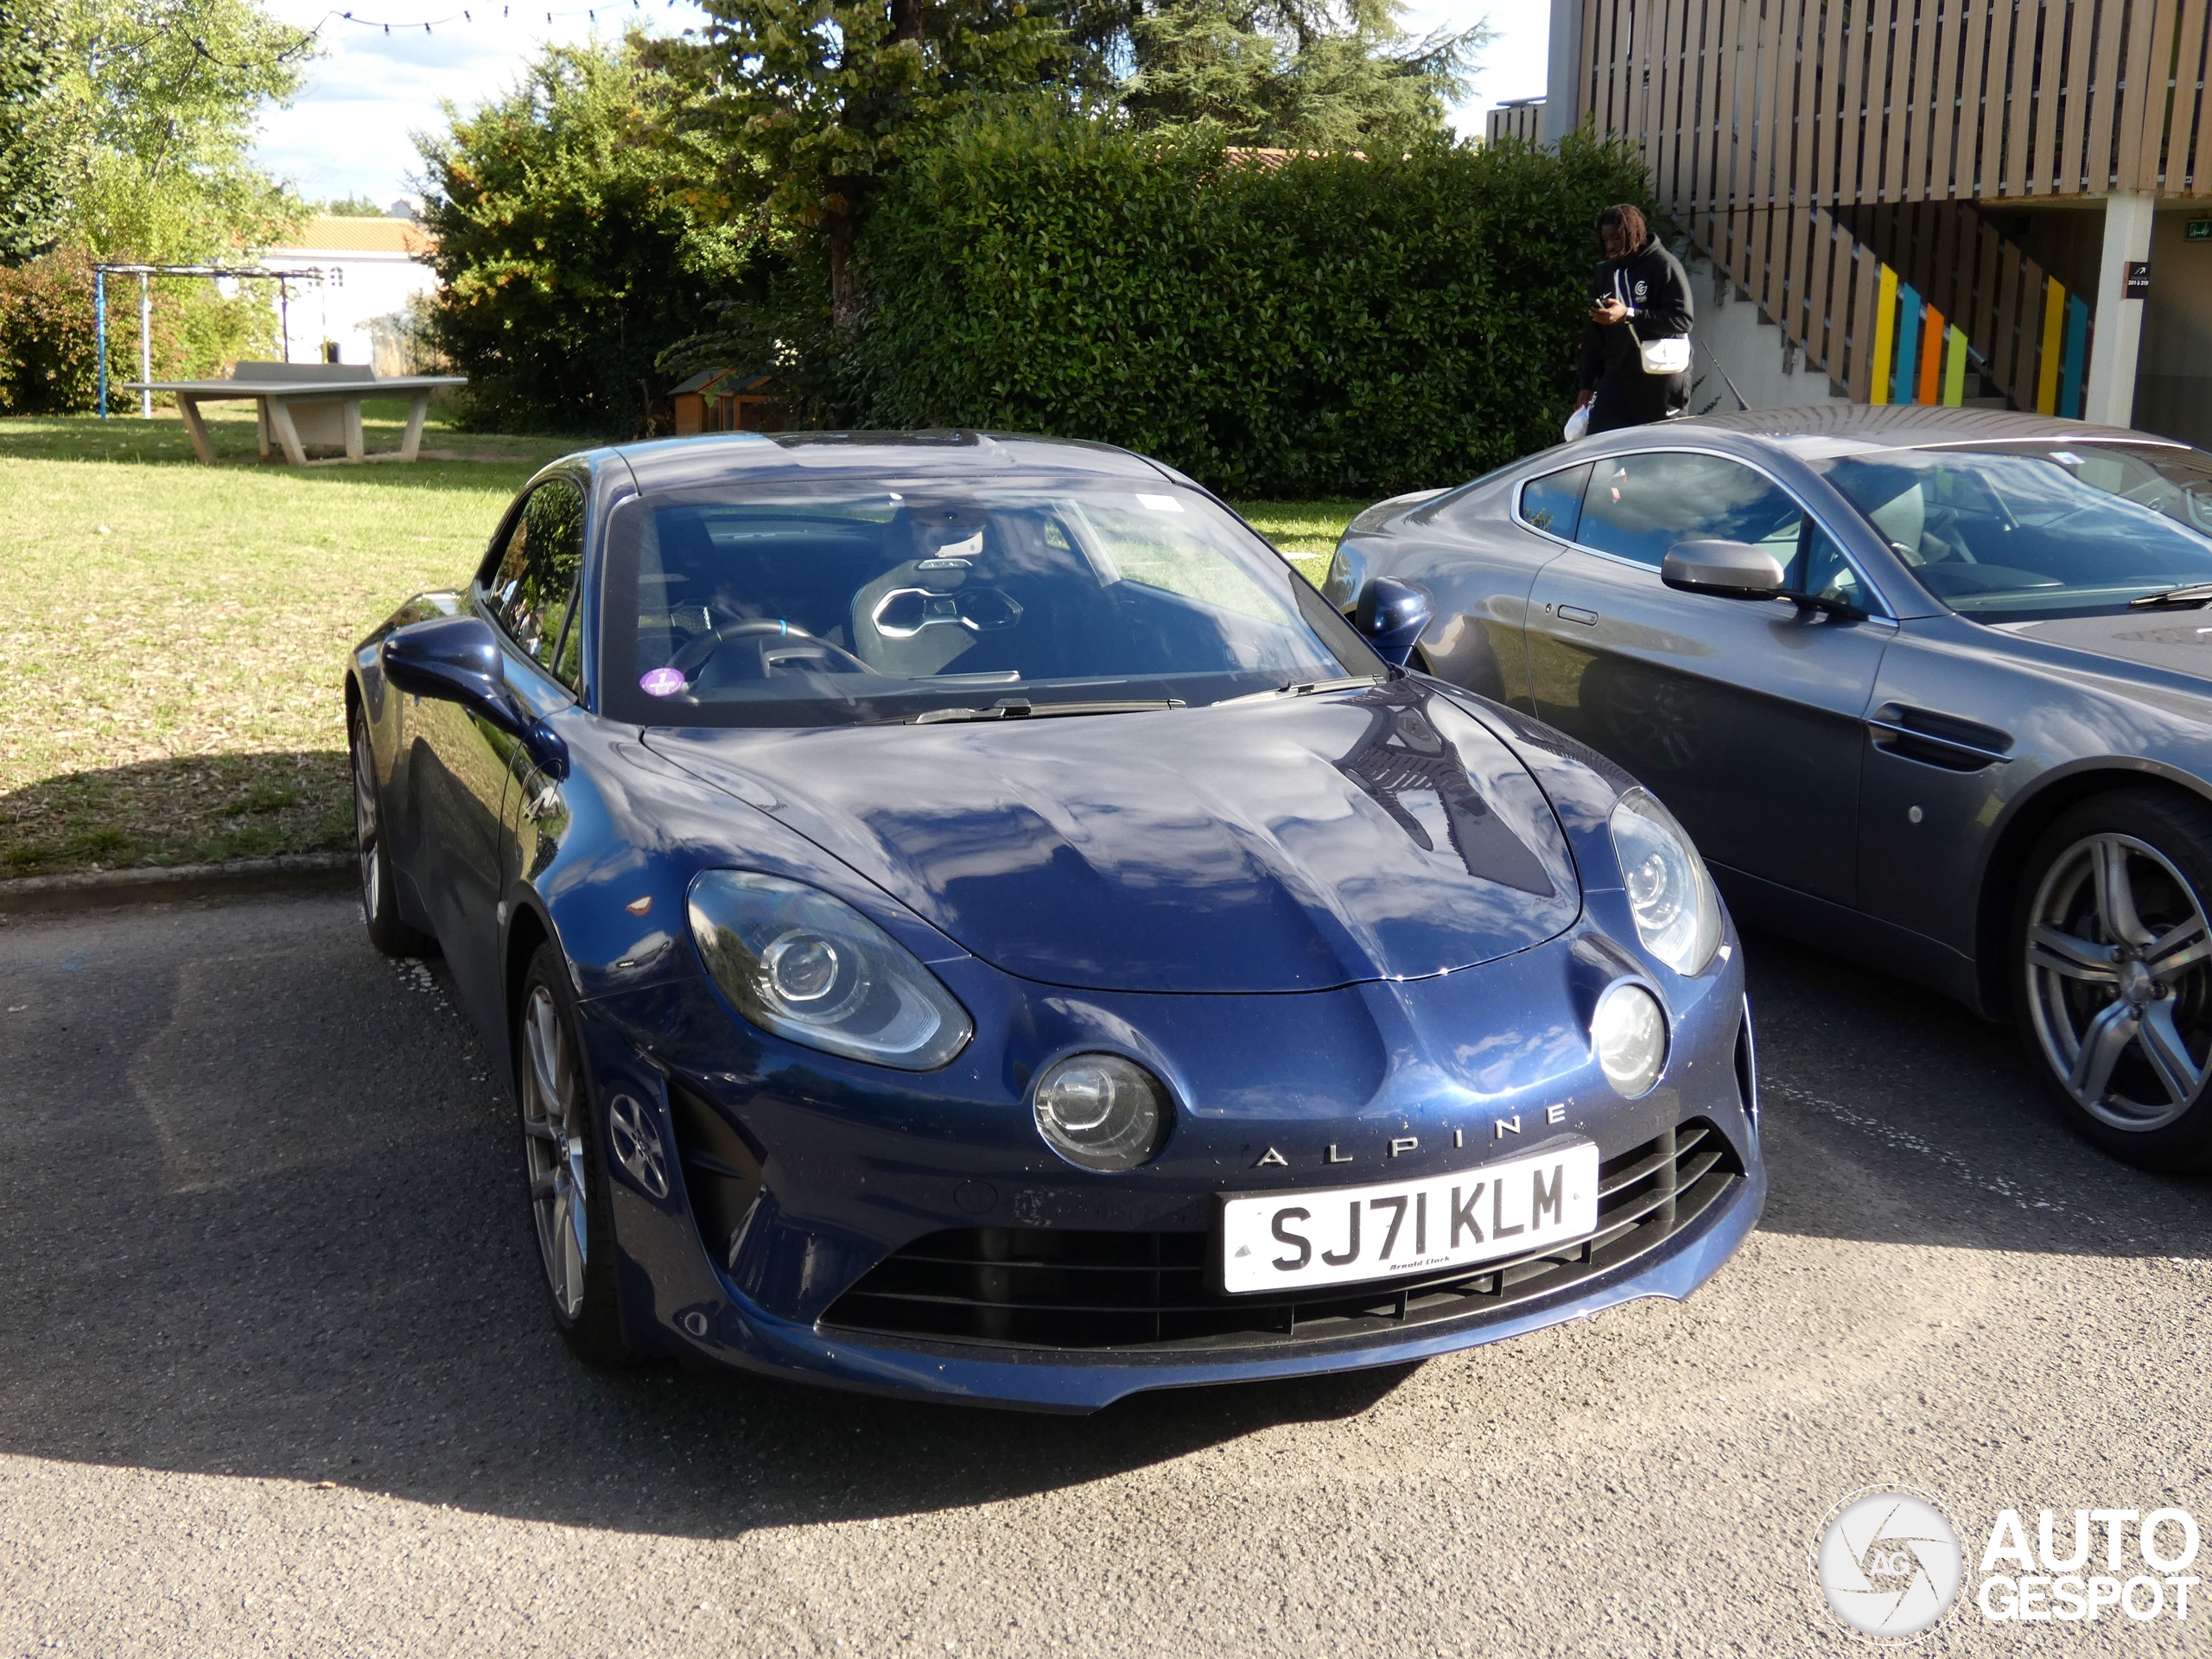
(302,403)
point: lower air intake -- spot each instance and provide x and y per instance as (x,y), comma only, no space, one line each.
(1043,1288)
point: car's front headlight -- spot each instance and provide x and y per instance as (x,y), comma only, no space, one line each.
(808,967)
(1677,911)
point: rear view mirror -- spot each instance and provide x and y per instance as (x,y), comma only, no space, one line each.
(458,659)
(452,657)
(1726,570)
(1390,616)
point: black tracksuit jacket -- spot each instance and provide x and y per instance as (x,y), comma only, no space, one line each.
(1656,289)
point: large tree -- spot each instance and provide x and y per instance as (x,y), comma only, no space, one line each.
(808,102)
(174,92)
(572,251)
(1311,74)
(44,126)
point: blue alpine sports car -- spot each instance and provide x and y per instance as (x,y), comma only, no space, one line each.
(967,919)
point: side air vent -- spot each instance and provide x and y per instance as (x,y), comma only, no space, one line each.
(721,1172)
(1937,740)
(1747,1067)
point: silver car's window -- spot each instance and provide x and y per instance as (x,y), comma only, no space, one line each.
(2021,531)
(1637,506)
(848,601)
(1553,503)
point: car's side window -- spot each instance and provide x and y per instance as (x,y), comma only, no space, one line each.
(1639,505)
(534,589)
(1554,502)
(1823,570)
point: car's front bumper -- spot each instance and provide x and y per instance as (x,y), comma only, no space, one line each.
(1081,1381)
(853,1175)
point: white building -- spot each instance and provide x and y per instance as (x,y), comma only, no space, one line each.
(370,269)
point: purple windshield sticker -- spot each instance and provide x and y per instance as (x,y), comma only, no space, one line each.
(661,681)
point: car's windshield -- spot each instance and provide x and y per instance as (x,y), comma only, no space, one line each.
(2019,532)
(848,601)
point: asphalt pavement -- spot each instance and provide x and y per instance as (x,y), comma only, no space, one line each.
(274,1375)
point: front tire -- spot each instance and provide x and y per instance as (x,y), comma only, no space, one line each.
(379,903)
(564,1175)
(2112,971)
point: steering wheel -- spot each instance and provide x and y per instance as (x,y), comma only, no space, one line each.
(764,635)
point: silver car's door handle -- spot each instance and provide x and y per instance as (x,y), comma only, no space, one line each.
(1576,613)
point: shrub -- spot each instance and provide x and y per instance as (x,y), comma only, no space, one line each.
(50,361)
(1331,325)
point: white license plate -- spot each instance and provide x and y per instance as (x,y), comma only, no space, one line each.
(1287,1240)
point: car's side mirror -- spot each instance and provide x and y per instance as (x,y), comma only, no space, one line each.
(1726,570)
(1391,615)
(458,659)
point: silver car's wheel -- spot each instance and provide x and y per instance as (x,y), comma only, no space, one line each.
(554,1127)
(2118,960)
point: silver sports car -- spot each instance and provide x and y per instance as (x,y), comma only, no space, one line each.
(1930,687)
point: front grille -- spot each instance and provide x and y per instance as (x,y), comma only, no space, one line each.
(1037,1287)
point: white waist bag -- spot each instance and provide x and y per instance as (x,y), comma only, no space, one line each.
(1660,356)
(1670,356)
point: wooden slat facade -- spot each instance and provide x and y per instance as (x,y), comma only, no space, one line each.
(1764,120)
(1740,104)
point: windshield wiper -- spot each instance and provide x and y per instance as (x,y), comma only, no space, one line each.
(1304,689)
(2196,593)
(1022,709)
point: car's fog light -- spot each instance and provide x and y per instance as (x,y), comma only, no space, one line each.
(1101,1112)
(1629,1032)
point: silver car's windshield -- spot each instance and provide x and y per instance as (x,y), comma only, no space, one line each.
(889,601)
(2018,532)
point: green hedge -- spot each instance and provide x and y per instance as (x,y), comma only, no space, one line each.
(1331,326)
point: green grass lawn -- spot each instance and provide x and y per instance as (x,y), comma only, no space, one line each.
(172,635)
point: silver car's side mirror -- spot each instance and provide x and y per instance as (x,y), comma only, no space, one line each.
(1726,570)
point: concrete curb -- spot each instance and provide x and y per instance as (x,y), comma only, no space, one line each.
(234,878)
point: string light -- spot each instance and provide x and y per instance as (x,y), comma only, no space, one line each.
(430,25)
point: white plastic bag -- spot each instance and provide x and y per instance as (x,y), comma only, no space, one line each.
(1578,424)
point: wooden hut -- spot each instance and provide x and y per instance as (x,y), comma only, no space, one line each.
(728,400)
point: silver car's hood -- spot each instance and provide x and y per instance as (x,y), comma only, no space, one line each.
(2175,642)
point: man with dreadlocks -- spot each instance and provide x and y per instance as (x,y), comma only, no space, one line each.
(1640,294)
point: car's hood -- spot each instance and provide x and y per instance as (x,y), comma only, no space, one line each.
(2177,642)
(1289,845)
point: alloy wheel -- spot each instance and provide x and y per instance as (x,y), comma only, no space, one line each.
(553,1122)
(366,829)
(2120,981)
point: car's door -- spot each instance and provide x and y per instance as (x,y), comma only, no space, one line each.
(1745,717)
(530,599)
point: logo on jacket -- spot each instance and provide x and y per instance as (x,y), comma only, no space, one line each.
(1641,289)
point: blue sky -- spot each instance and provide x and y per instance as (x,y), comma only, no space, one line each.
(348,133)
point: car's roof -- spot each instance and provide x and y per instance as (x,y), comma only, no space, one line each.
(678,463)
(1895,426)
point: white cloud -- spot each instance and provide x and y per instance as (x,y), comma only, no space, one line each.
(349,131)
